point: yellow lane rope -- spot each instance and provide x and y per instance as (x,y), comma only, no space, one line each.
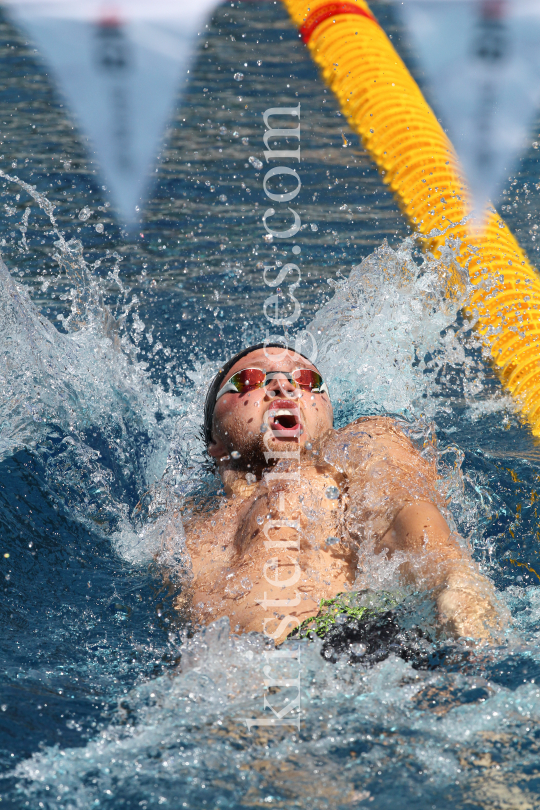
(416,159)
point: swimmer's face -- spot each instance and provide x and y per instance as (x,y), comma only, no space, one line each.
(280,417)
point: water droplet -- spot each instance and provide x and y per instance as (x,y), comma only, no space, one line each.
(235,454)
(358,649)
(260,519)
(245,141)
(332,493)
(331,541)
(238,77)
(264,428)
(314,227)
(256,163)
(308,445)
(250,478)
(85,213)
(259,62)
(99,227)
(223,198)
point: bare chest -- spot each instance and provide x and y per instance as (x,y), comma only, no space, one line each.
(278,553)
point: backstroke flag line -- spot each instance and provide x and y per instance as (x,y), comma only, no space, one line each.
(121,66)
(482,64)
(121,69)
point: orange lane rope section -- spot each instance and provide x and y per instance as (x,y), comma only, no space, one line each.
(384,105)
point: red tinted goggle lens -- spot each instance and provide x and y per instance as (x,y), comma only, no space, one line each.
(248,379)
(306,378)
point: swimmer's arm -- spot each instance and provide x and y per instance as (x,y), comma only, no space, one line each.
(393,497)
(466,600)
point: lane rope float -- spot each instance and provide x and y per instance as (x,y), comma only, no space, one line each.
(416,159)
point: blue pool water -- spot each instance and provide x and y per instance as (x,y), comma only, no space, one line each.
(104,700)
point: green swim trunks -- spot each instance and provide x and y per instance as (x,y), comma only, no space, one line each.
(362,606)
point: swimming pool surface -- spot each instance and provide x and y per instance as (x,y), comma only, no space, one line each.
(104,700)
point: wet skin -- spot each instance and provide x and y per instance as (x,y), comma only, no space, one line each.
(297,529)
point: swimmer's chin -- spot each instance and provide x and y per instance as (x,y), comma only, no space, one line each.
(261,459)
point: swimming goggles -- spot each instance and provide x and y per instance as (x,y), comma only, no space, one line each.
(248,379)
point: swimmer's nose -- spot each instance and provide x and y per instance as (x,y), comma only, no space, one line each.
(280,384)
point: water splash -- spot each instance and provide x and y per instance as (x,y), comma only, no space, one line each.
(80,399)
(388,733)
(390,340)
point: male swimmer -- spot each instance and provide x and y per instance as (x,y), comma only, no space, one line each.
(310,510)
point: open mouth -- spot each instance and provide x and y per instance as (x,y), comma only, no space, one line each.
(284,418)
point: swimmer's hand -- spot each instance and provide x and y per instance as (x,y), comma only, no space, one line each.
(434,559)
(468,608)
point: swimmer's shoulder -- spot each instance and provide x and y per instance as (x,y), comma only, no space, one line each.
(373,427)
(371,436)
(198,511)
(210,517)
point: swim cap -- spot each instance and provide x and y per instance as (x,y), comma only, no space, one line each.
(210,402)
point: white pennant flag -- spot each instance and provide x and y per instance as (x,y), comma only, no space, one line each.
(482,61)
(120,68)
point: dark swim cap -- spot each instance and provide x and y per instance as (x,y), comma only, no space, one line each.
(210,402)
